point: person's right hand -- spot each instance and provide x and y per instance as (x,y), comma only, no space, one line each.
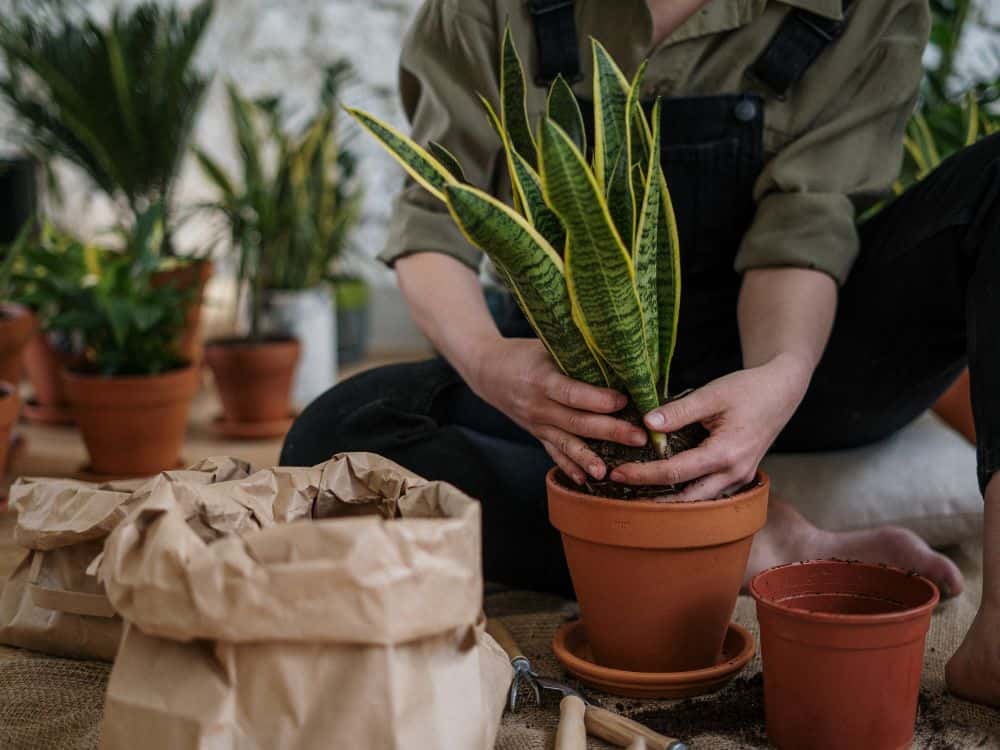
(518,377)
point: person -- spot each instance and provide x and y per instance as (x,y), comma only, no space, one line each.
(801,328)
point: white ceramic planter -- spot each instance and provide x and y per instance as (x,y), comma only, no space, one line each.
(310,316)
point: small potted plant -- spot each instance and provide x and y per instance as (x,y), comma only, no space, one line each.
(288,219)
(118,101)
(130,392)
(351,294)
(590,252)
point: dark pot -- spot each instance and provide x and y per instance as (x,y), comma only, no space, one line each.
(18,196)
(353,320)
(843,649)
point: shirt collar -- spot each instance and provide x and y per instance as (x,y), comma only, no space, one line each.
(829,8)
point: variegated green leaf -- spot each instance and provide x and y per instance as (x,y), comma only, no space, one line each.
(599,272)
(621,198)
(564,110)
(447,160)
(513,103)
(610,100)
(645,255)
(419,164)
(637,133)
(668,269)
(535,272)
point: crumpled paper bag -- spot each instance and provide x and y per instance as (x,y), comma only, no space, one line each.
(348,614)
(50,603)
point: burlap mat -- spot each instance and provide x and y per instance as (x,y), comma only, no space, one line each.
(48,703)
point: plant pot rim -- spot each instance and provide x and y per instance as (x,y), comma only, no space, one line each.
(245,342)
(762,481)
(93,377)
(7,390)
(885,618)
(14,310)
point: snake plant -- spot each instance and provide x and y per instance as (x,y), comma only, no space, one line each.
(589,249)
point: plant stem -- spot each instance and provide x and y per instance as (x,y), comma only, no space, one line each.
(659,441)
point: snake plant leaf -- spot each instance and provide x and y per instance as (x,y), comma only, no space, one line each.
(563,108)
(610,100)
(420,165)
(600,277)
(513,101)
(526,186)
(646,256)
(637,132)
(668,268)
(533,269)
(448,160)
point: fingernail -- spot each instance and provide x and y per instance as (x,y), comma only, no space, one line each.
(617,476)
(655,419)
(596,470)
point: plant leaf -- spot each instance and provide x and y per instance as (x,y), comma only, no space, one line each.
(419,164)
(646,252)
(600,277)
(564,109)
(447,160)
(534,271)
(513,102)
(668,269)
(610,99)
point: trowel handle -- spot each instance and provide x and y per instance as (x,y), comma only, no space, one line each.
(638,744)
(502,636)
(622,732)
(572,732)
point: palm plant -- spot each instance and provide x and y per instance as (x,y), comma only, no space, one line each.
(590,249)
(119,101)
(289,219)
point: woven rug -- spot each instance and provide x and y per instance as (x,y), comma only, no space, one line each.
(56,704)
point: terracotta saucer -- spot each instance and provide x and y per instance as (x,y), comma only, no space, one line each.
(273,428)
(37,413)
(572,651)
(86,474)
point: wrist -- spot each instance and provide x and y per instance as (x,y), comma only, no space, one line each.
(472,359)
(794,371)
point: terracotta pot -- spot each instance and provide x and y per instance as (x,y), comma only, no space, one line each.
(17,326)
(955,407)
(843,649)
(10,406)
(254,378)
(194,276)
(44,364)
(656,581)
(133,426)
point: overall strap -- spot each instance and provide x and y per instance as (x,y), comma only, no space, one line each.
(558,49)
(801,38)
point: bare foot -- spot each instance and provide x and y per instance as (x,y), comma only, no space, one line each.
(973,673)
(789,537)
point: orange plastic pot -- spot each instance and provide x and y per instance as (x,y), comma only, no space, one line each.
(17,327)
(133,426)
(191,277)
(656,581)
(254,378)
(10,406)
(843,649)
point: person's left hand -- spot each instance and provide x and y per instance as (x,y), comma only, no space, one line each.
(744,412)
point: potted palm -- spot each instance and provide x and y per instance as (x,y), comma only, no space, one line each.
(130,392)
(288,219)
(590,252)
(119,101)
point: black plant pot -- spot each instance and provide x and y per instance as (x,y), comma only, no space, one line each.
(18,195)
(353,319)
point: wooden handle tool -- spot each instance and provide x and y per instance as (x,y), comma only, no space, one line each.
(622,732)
(503,636)
(572,732)
(638,744)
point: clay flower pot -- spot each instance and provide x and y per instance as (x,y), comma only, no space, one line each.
(17,326)
(44,364)
(254,379)
(656,581)
(190,276)
(133,426)
(843,649)
(10,405)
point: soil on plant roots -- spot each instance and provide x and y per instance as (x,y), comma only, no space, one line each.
(616,454)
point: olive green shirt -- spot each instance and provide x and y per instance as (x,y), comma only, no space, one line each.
(833,145)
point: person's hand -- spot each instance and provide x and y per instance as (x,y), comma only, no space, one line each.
(518,377)
(744,412)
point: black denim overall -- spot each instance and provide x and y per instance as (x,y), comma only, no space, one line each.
(921,297)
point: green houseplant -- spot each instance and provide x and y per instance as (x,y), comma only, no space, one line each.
(288,218)
(129,390)
(590,252)
(117,100)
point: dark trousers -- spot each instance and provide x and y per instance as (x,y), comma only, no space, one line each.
(921,302)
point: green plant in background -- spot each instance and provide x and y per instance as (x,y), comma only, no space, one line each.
(117,100)
(288,217)
(126,324)
(590,248)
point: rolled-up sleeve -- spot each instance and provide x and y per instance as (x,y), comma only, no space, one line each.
(810,192)
(448,60)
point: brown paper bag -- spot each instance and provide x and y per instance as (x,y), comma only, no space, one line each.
(50,603)
(357,625)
